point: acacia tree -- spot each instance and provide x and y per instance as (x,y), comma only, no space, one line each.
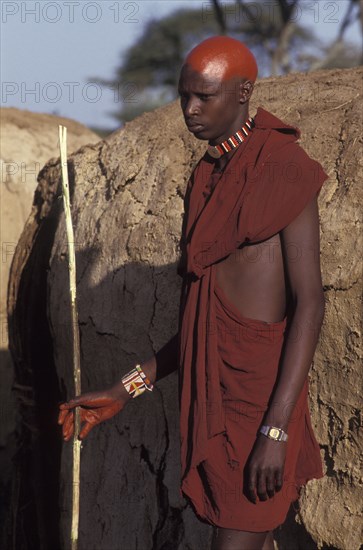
(147,76)
(341,54)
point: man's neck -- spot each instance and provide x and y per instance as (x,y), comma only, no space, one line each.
(221,162)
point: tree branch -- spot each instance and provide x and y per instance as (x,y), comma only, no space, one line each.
(219,16)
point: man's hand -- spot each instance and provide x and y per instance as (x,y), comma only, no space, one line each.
(264,469)
(95,408)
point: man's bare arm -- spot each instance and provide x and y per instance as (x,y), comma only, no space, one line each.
(301,250)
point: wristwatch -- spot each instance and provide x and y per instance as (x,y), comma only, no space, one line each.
(274,433)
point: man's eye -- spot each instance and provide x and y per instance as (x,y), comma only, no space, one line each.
(204,97)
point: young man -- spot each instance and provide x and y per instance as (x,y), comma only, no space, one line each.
(251,309)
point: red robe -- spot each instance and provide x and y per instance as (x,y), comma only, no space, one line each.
(228,363)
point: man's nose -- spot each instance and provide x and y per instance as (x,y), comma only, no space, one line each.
(191,107)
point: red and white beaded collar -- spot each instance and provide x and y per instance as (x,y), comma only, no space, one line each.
(216,151)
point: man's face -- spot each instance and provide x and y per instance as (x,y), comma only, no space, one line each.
(211,105)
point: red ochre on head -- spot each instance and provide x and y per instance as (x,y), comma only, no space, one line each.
(225,56)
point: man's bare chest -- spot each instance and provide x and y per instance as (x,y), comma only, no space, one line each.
(252,263)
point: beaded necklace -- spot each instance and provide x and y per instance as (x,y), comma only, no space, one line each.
(216,151)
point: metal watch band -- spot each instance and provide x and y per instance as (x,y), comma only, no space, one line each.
(274,433)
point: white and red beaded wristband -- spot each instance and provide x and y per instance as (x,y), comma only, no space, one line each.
(136,382)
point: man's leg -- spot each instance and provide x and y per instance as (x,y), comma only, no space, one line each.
(232,539)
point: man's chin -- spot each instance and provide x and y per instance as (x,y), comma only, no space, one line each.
(200,134)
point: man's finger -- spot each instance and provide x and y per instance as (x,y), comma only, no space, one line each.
(67,434)
(68,426)
(86,430)
(261,486)
(91,415)
(278,480)
(75,402)
(62,416)
(270,484)
(251,484)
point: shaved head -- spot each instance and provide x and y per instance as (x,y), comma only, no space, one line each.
(215,85)
(224,58)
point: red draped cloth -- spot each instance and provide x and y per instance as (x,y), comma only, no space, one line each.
(228,363)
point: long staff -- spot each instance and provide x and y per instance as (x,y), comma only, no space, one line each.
(75,333)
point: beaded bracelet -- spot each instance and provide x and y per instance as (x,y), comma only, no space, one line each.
(136,382)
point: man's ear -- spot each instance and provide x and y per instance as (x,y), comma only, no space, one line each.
(245,91)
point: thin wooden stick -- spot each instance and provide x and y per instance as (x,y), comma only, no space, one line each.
(75,334)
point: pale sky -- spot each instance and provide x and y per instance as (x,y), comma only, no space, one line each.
(52,50)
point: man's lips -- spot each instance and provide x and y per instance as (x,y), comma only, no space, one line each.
(194,126)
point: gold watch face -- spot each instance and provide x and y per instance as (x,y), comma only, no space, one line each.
(274,433)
